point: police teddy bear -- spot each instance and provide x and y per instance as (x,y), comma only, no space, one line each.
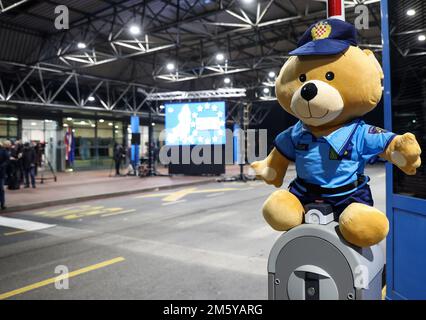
(328,83)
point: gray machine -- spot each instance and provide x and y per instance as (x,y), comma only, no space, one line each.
(314,262)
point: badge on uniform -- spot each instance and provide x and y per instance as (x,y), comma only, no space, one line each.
(334,156)
(376,130)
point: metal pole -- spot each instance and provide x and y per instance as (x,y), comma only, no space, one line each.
(151,170)
(336,9)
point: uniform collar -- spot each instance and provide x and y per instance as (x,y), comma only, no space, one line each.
(338,139)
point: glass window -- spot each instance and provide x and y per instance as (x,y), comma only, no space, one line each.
(105,138)
(118,132)
(8,127)
(408,76)
(85,143)
(3,129)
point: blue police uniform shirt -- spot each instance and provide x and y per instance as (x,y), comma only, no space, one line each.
(334,160)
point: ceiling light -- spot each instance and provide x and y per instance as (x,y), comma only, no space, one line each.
(33,123)
(116,127)
(227,80)
(266,90)
(69,119)
(81,45)
(134,29)
(220,57)
(162,107)
(91,98)
(101,120)
(411,12)
(271,74)
(422,37)
(153,124)
(170,66)
(93,125)
(110,124)
(65,125)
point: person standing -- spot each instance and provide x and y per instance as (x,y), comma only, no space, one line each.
(13,172)
(29,160)
(4,161)
(118,156)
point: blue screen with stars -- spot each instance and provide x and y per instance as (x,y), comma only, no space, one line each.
(195,123)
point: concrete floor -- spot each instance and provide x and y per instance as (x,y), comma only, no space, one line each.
(204,242)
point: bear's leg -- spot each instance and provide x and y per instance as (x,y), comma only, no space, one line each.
(363,225)
(283,211)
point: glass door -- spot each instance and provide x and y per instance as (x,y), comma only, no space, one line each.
(45,133)
(404,64)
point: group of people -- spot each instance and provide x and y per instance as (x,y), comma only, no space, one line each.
(18,165)
(122,156)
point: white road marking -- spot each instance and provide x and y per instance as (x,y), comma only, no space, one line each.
(172,202)
(189,254)
(26,225)
(262,232)
(203,218)
(215,194)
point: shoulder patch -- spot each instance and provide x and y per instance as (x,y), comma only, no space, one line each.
(302,147)
(376,130)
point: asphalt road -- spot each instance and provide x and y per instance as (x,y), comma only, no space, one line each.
(205,242)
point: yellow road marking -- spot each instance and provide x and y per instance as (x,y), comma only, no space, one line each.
(153,195)
(59,278)
(216,190)
(63,211)
(77,212)
(15,232)
(119,212)
(179,194)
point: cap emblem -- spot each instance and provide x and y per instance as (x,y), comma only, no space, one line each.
(321,30)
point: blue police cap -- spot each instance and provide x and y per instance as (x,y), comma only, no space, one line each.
(327,37)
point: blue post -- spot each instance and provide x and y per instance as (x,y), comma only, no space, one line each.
(134,126)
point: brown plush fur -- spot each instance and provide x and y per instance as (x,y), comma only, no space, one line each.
(363,225)
(358,83)
(283,211)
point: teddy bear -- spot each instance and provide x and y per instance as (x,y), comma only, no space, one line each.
(329,83)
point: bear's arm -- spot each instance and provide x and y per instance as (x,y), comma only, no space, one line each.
(272,169)
(404,152)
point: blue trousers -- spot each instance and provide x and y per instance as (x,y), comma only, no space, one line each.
(2,200)
(30,172)
(339,203)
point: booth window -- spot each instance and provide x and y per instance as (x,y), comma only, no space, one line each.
(94,141)
(408,76)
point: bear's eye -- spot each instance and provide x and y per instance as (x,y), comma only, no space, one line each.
(302,77)
(329,76)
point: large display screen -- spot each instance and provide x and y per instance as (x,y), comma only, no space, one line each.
(195,123)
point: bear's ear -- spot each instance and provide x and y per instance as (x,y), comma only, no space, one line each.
(370,54)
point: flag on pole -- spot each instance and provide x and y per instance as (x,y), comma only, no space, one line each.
(69,146)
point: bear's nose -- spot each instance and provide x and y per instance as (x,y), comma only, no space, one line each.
(309,91)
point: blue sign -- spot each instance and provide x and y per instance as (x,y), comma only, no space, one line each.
(195,123)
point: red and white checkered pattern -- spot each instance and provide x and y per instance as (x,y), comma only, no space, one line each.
(320,30)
